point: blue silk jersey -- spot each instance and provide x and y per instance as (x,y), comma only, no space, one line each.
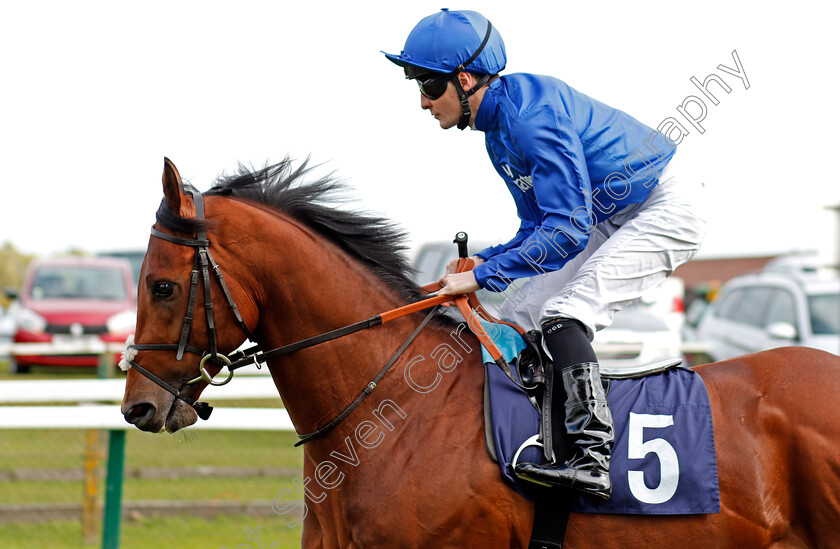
(569,161)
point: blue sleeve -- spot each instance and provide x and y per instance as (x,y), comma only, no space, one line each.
(525,229)
(546,139)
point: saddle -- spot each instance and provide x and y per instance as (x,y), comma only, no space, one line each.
(532,359)
(531,363)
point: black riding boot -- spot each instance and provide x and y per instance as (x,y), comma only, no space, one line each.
(588,426)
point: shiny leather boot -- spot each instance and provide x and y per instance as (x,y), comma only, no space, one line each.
(589,428)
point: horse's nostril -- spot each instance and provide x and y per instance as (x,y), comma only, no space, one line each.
(140,413)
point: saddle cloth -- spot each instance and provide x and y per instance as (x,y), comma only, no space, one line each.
(663,458)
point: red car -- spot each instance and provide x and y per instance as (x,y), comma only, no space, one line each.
(73,300)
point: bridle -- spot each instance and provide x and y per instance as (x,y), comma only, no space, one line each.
(202,262)
(201,267)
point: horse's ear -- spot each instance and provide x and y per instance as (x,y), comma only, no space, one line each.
(173,189)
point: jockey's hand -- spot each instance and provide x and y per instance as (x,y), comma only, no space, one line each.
(452,266)
(458,283)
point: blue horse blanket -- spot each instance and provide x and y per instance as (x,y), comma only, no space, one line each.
(663,458)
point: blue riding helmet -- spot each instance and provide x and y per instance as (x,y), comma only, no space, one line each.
(447,41)
(450,42)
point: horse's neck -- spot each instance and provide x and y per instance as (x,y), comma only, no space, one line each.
(317,292)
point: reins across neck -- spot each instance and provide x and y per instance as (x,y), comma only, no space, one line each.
(201,266)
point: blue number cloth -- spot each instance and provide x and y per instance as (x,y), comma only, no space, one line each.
(663,459)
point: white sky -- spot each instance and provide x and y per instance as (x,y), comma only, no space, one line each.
(95,94)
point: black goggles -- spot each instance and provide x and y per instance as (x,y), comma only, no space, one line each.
(432,87)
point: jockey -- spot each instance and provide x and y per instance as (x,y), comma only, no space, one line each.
(605,216)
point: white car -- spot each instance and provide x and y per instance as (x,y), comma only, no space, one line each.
(639,335)
(430,262)
(646,332)
(771,309)
(7,331)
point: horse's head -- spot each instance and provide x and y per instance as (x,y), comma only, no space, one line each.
(293,267)
(178,345)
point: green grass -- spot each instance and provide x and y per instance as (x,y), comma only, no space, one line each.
(181,531)
(59,449)
(33,449)
(27,448)
(257,488)
(63,449)
(197,447)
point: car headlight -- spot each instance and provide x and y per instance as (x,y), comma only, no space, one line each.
(122,323)
(30,321)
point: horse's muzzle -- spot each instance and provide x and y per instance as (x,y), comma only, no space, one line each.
(142,416)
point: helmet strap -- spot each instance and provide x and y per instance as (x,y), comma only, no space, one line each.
(463,96)
(466,113)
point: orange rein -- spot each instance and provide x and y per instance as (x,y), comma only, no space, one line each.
(468,304)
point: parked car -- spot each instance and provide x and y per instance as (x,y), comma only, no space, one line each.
(693,315)
(638,335)
(430,262)
(135,259)
(667,301)
(645,332)
(72,300)
(772,309)
(7,330)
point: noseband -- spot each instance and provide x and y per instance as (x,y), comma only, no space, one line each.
(201,266)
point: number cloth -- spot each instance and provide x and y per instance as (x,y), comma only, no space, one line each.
(663,459)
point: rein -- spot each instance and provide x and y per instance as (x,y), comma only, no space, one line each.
(201,266)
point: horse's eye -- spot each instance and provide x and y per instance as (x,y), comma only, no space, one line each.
(163,289)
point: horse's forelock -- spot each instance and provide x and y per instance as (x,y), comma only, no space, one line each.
(168,220)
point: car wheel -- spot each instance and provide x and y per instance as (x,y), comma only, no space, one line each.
(16,368)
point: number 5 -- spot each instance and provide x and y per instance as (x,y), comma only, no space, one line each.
(637,448)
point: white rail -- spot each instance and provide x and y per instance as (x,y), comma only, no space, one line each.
(90,413)
(95,347)
(89,394)
(685,347)
(109,417)
(81,346)
(111,390)
(100,416)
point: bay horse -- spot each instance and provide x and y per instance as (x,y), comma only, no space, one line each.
(408,467)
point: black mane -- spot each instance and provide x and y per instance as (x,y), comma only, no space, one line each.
(373,241)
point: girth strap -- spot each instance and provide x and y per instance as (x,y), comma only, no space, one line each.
(551,516)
